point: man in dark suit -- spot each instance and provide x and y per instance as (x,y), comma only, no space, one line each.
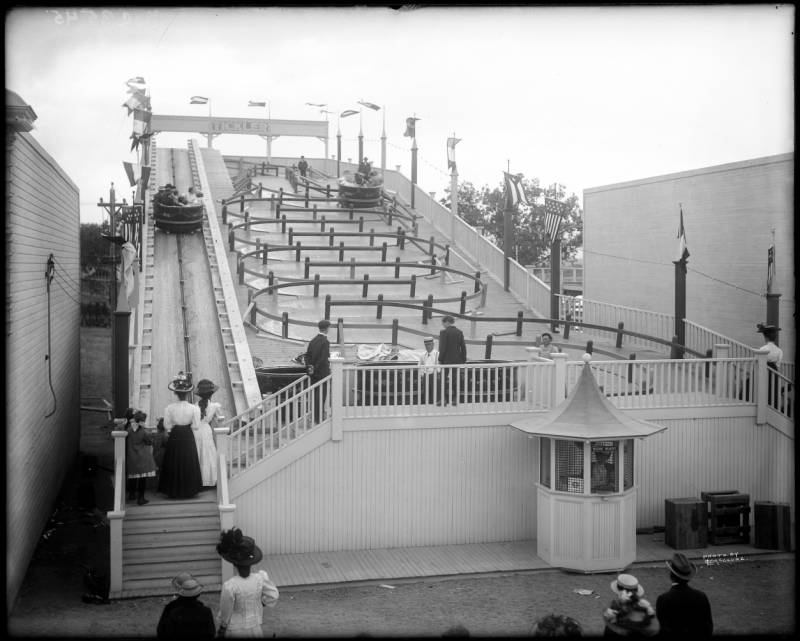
(186,617)
(683,611)
(302,165)
(318,365)
(452,351)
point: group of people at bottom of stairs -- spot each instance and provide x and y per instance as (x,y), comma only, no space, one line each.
(181,451)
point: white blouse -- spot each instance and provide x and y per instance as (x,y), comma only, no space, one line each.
(181,413)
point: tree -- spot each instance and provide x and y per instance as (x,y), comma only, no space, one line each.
(486,207)
(93,246)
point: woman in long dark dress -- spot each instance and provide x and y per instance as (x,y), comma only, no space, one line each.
(180,474)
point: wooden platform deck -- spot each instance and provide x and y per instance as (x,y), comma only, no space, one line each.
(387,565)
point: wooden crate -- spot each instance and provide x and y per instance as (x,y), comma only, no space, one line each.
(686,523)
(772,525)
(728,517)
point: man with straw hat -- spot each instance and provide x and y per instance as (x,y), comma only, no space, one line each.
(683,611)
(244,596)
(186,616)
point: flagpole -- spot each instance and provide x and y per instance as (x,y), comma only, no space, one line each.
(680,303)
(453,196)
(413,159)
(269,132)
(360,138)
(383,143)
(773,298)
(338,144)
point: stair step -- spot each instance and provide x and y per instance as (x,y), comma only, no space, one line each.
(168,510)
(164,541)
(171,569)
(158,555)
(177,526)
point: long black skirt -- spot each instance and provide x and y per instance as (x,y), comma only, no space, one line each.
(180,473)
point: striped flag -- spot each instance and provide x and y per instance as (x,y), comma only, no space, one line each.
(411,127)
(141,119)
(554,212)
(683,252)
(348,112)
(770,268)
(198,100)
(136,80)
(514,191)
(451,152)
(369,105)
(137,101)
(136,173)
(253,103)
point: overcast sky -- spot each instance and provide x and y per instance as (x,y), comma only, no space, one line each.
(582,96)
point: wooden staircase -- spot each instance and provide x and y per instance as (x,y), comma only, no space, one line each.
(166,537)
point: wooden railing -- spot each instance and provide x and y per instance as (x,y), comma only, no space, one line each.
(780,393)
(116,516)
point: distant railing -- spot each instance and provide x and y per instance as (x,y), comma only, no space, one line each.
(780,393)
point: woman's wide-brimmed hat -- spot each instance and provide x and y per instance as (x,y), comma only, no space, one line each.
(181,383)
(238,549)
(186,585)
(681,566)
(627,582)
(206,386)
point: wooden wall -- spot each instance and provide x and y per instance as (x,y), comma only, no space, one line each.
(398,488)
(42,217)
(729,211)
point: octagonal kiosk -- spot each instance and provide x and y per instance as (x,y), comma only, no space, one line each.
(586,496)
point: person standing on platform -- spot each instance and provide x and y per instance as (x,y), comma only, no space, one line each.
(180,476)
(318,366)
(774,358)
(302,165)
(245,595)
(683,612)
(452,351)
(139,462)
(428,364)
(206,450)
(186,617)
(547,348)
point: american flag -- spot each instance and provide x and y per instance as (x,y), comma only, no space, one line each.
(683,252)
(554,212)
(514,191)
(451,152)
(137,101)
(411,128)
(198,100)
(770,267)
(369,105)
(348,112)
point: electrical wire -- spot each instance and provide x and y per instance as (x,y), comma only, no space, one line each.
(66,274)
(68,295)
(70,285)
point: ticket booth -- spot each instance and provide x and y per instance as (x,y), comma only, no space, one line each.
(586,494)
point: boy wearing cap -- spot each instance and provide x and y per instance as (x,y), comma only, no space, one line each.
(427,364)
(186,616)
(683,611)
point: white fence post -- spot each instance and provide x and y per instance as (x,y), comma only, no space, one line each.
(560,379)
(116,516)
(721,350)
(762,385)
(336,396)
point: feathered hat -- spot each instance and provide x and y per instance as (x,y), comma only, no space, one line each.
(238,549)
(181,383)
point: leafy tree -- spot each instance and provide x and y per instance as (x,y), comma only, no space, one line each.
(93,247)
(486,207)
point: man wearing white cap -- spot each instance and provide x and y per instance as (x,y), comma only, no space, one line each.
(428,365)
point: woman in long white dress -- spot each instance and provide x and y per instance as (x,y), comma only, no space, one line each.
(204,435)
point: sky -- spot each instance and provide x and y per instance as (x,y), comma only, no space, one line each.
(580,96)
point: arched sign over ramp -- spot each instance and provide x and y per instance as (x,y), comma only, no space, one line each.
(267,128)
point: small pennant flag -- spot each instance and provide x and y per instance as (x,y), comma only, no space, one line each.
(253,103)
(141,118)
(369,105)
(317,104)
(514,191)
(683,252)
(770,267)
(554,212)
(136,80)
(198,100)
(348,112)
(136,173)
(411,127)
(138,139)
(451,152)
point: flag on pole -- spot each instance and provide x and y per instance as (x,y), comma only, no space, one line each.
(253,103)
(137,139)
(141,119)
(514,191)
(554,212)
(137,101)
(136,80)
(683,252)
(136,173)
(348,112)
(198,100)
(451,152)
(128,277)
(411,127)
(770,267)
(369,105)
(317,104)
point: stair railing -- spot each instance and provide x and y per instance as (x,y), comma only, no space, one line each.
(227,510)
(116,516)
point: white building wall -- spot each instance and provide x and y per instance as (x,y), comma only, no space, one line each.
(729,211)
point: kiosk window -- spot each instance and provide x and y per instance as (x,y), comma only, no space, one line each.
(544,462)
(605,470)
(569,466)
(627,472)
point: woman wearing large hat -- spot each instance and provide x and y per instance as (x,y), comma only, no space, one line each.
(244,595)
(180,476)
(204,436)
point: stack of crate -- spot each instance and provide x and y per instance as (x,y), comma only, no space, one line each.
(728,517)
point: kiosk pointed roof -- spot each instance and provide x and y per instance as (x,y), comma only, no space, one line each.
(586,414)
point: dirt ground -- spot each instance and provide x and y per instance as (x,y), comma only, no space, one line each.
(753,597)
